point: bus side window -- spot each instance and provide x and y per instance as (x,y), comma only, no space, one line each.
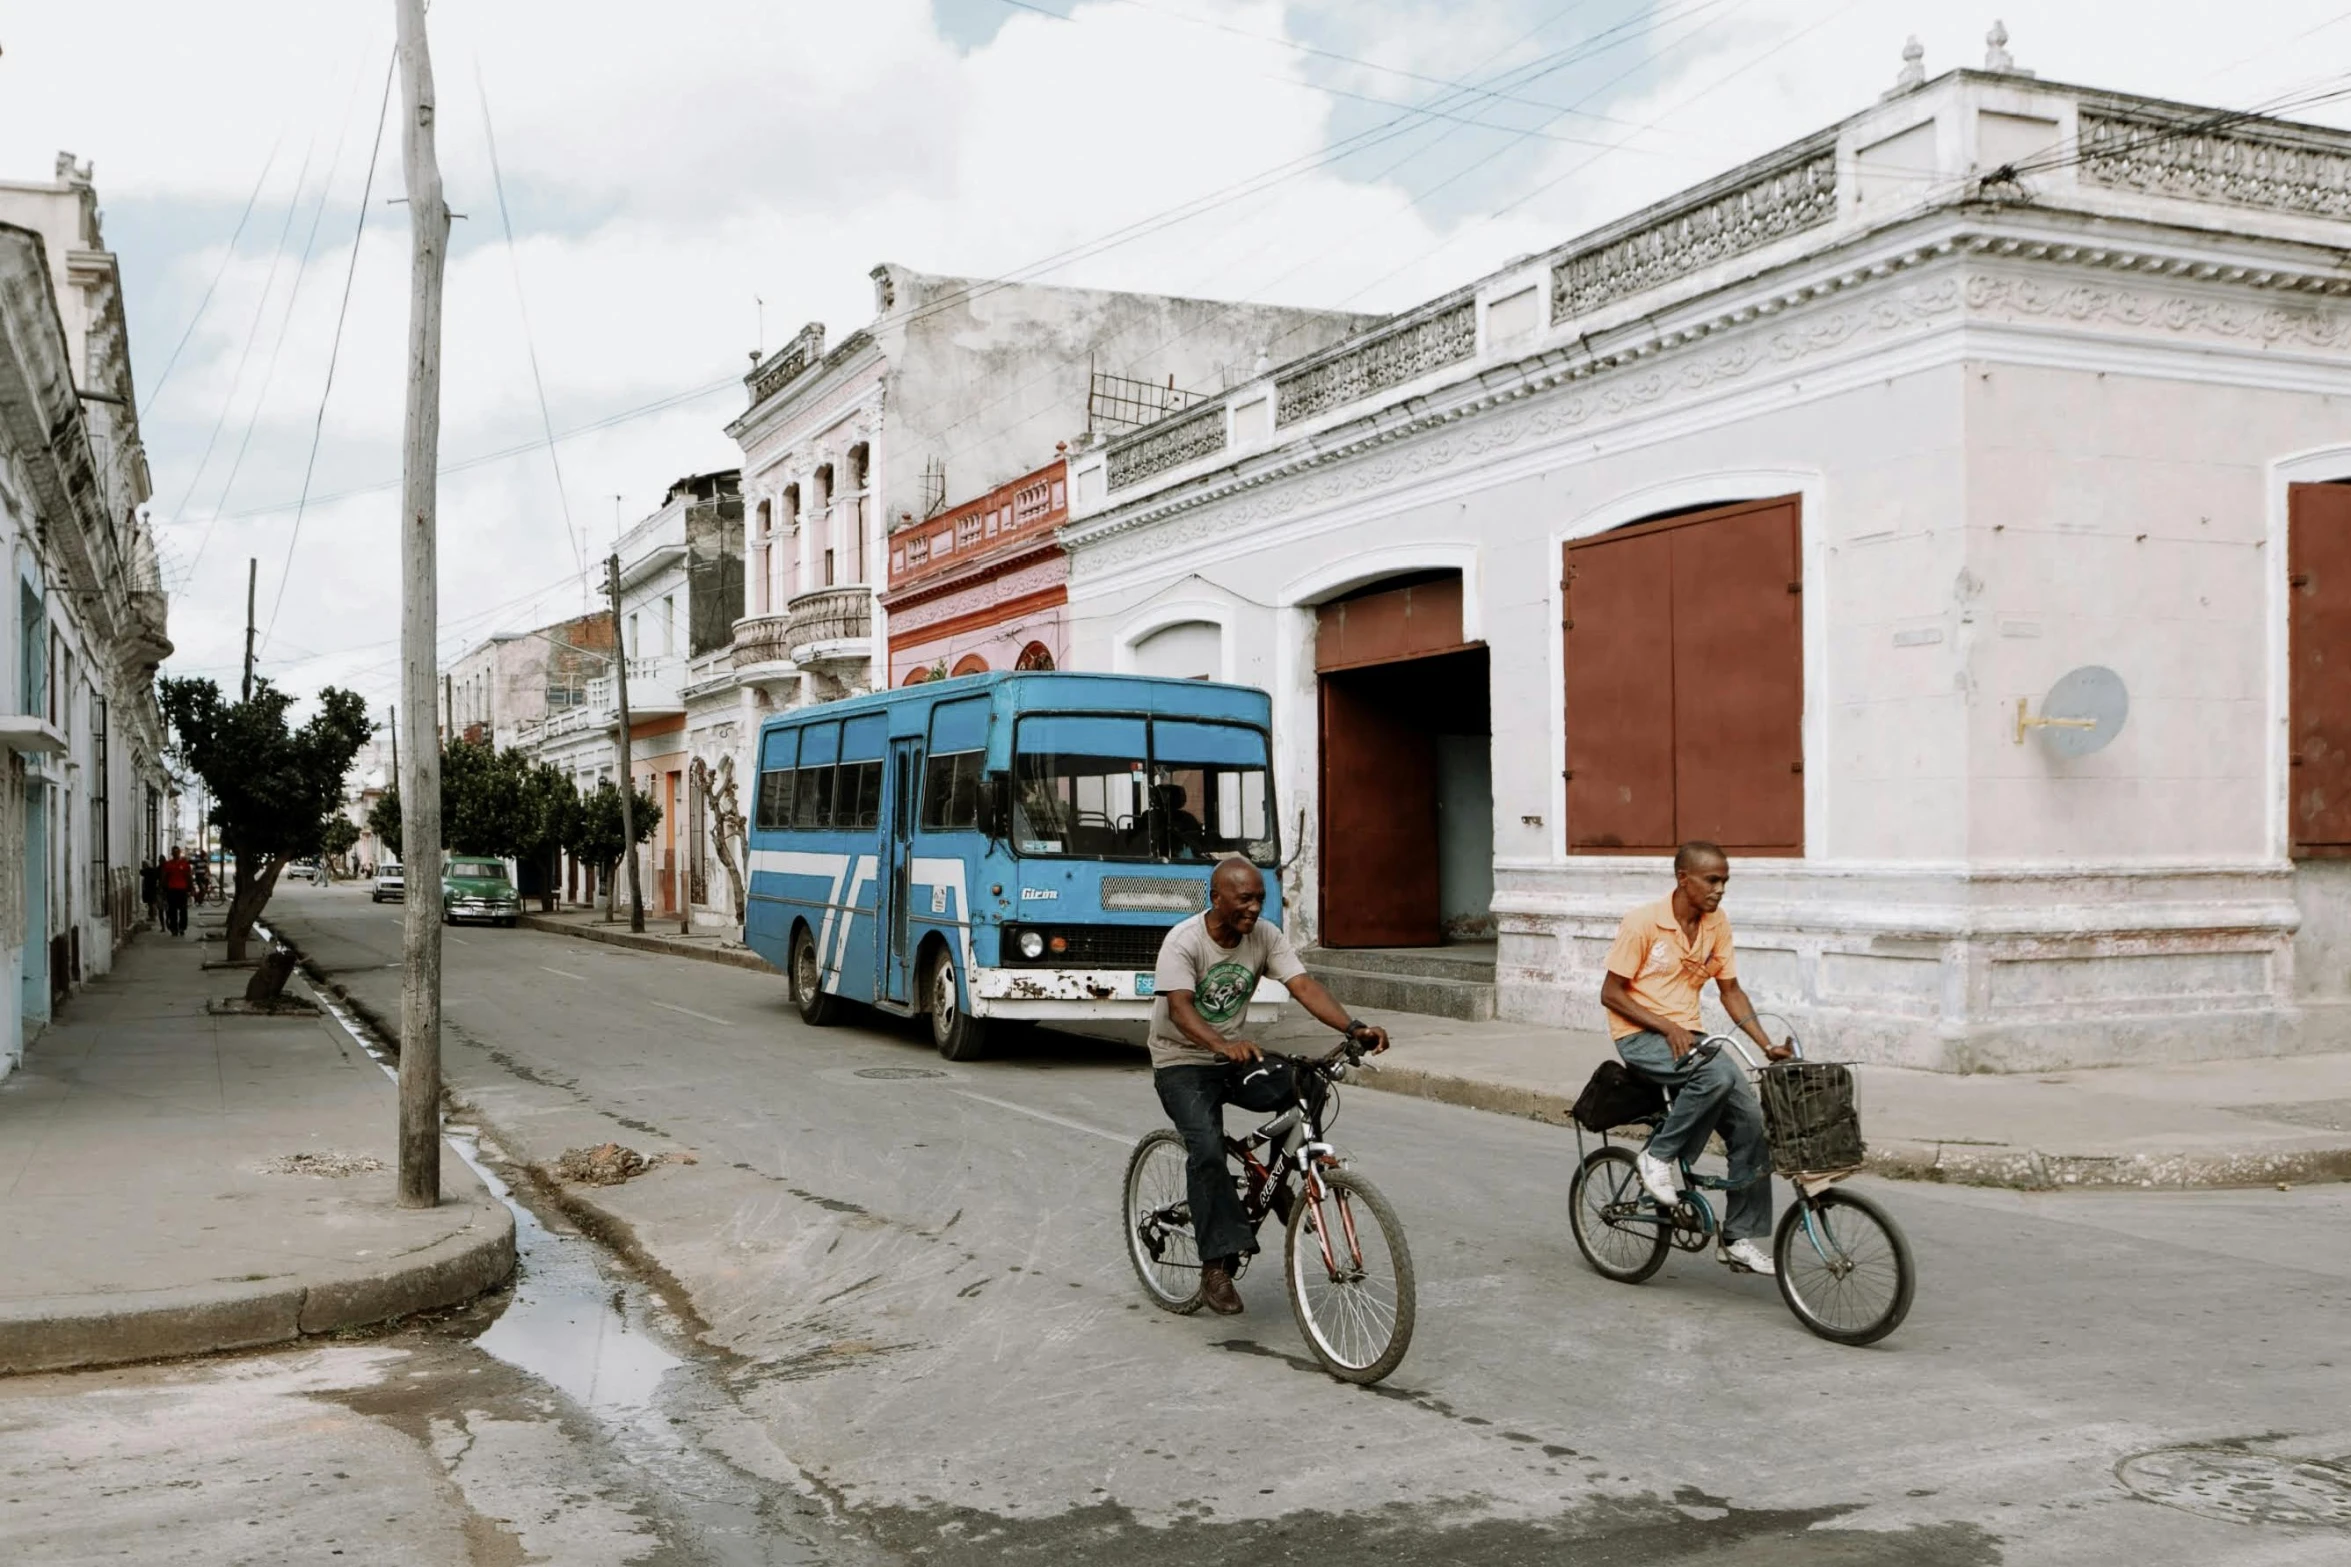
(951,792)
(812,799)
(776,773)
(857,796)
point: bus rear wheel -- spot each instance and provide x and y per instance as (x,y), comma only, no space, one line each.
(807,973)
(959,1035)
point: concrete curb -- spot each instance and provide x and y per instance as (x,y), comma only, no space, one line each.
(732,957)
(65,1332)
(1958,1164)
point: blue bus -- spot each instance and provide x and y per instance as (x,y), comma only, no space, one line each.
(1002,846)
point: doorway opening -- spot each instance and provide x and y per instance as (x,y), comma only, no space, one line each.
(1407,768)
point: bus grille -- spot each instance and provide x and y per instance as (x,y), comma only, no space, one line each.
(1093,946)
(1154,892)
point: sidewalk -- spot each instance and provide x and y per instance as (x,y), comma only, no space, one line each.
(661,935)
(2213,1123)
(154,1199)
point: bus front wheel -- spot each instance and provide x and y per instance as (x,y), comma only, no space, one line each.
(959,1035)
(808,992)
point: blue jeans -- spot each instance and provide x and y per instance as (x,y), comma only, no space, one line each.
(1194,1098)
(1708,1099)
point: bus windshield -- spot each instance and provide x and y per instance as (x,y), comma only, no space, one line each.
(1179,791)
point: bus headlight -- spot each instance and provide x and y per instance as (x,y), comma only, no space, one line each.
(1032,945)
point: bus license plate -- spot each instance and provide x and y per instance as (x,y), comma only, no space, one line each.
(1146,984)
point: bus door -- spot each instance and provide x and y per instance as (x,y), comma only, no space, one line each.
(905,784)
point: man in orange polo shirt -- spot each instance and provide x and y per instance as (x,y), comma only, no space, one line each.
(1665,952)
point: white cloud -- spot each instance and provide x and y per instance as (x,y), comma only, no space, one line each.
(667,166)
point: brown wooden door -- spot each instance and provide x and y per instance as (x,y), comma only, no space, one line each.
(1620,694)
(2318,640)
(1379,821)
(1738,682)
(1685,683)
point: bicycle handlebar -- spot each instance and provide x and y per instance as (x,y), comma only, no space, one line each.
(1707,1048)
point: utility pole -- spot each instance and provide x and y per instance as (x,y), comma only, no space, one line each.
(393,712)
(628,782)
(252,572)
(420,789)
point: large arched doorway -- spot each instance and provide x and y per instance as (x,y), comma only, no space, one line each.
(1407,767)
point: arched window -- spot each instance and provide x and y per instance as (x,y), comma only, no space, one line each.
(971,664)
(917,675)
(1187,650)
(761,552)
(1035,656)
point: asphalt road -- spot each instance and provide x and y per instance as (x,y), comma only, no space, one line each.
(903,1303)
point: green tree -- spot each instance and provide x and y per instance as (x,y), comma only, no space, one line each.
(485,804)
(273,786)
(383,819)
(553,809)
(598,839)
(342,836)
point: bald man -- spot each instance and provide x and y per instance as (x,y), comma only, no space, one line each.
(1208,969)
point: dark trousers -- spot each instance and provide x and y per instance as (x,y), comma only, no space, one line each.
(1195,1097)
(175,912)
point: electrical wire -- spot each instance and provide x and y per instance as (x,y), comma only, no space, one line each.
(335,350)
(226,256)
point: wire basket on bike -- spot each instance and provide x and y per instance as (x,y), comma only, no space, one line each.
(1812,1117)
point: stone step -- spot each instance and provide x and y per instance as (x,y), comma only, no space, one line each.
(1474,964)
(1470,1001)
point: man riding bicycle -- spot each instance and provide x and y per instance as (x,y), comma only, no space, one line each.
(1208,969)
(1665,952)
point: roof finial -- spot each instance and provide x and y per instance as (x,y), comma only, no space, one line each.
(1996,55)
(1914,70)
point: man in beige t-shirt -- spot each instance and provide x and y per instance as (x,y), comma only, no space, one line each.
(1208,969)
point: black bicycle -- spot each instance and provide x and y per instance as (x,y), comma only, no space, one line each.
(1843,1264)
(1350,1273)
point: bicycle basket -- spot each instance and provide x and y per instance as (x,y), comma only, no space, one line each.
(1617,1096)
(1812,1117)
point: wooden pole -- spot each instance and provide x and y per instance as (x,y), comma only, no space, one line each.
(420,787)
(252,574)
(628,782)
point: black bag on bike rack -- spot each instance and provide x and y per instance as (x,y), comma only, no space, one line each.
(1617,1096)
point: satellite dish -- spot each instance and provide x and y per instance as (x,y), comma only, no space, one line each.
(2082,713)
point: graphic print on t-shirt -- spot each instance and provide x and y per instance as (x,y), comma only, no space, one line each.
(1223,991)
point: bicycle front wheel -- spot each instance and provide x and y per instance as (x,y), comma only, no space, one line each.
(1351,1282)
(1601,1203)
(1846,1273)
(1157,1218)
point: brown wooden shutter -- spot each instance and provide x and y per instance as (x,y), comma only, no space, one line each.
(1379,821)
(1738,680)
(2318,642)
(1685,683)
(1620,713)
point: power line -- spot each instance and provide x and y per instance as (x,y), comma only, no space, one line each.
(335,350)
(523,309)
(226,256)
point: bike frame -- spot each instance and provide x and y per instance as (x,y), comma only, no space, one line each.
(1695,1185)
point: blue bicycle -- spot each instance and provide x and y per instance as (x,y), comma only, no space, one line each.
(1844,1265)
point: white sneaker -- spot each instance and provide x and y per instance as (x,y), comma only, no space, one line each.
(1659,1178)
(1746,1257)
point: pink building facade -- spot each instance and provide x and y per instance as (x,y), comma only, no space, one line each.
(984,585)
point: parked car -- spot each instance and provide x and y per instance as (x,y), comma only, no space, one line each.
(477,889)
(390,886)
(305,870)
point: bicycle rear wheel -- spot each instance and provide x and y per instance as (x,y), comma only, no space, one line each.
(1157,1218)
(1847,1275)
(1351,1281)
(1606,1191)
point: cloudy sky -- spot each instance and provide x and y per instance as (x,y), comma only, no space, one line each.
(685,182)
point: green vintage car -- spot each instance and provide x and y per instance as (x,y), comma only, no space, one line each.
(473,888)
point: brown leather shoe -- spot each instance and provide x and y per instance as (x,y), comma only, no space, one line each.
(1216,1288)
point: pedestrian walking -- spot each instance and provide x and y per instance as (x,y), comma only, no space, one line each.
(150,891)
(178,878)
(201,869)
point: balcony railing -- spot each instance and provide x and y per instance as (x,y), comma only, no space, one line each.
(763,639)
(654,687)
(818,623)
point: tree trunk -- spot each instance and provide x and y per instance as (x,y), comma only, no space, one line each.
(248,900)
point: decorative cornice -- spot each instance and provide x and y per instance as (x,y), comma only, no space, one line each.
(1039,547)
(1784,201)
(2234,166)
(1168,444)
(1666,366)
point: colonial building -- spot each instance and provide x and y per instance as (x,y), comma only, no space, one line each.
(515,679)
(681,592)
(83,794)
(1950,513)
(983,585)
(959,386)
